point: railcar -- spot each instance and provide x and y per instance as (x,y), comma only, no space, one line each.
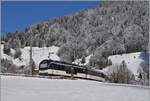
(51,67)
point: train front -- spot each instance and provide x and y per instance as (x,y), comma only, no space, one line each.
(43,67)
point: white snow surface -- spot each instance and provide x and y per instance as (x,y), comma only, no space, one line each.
(132,60)
(38,55)
(15,88)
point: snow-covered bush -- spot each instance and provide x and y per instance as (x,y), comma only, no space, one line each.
(121,74)
(145,67)
(17,54)
(6,48)
(7,66)
(109,62)
(143,74)
(98,61)
(83,60)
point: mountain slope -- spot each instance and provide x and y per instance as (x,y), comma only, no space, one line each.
(38,54)
(117,27)
(132,60)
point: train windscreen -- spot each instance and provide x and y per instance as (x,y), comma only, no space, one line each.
(43,65)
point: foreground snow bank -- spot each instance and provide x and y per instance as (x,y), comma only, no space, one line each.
(38,89)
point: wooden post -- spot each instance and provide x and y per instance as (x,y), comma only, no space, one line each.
(30,61)
(72,72)
(30,55)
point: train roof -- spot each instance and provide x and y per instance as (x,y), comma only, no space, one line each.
(62,62)
(77,66)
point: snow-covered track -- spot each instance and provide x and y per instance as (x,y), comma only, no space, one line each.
(34,76)
(63,77)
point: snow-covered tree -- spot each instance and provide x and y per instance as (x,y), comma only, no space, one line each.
(17,54)
(121,74)
(83,60)
(6,48)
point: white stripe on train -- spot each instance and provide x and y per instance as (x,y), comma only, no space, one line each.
(80,75)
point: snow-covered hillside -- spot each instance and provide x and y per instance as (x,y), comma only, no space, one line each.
(38,55)
(39,89)
(133,60)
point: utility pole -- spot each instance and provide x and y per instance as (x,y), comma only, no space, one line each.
(30,62)
(72,73)
(30,55)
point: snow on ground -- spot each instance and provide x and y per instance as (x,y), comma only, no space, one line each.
(132,60)
(38,55)
(38,89)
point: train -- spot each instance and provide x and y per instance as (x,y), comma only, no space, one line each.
(59,68)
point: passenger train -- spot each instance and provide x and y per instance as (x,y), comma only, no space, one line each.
(51,67)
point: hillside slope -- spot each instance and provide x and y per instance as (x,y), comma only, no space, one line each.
(133,60)
(38,54)
(118,27)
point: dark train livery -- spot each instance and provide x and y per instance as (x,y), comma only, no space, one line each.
(51,67)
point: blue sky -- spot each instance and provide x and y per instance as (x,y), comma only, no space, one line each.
(16,16)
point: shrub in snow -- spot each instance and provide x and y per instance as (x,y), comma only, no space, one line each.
(143,76)
(109,62)
(145,67)
(6,48)
(71,51)
(121,74)
(98,61)
(23,70)
(17,54)
(83,60)
(142,79)
(8,66)
(5,65)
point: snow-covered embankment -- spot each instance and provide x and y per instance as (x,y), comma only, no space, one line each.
(39,89)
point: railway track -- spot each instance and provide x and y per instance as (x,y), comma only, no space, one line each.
(45,76)
(36,76)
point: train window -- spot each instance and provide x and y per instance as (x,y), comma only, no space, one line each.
(62,67)
(51,66)
(44,65)
(57,66)
(80,70)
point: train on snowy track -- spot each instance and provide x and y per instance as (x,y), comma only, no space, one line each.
(58,68)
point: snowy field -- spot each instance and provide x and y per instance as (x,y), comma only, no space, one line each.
(132,60)
(39,89)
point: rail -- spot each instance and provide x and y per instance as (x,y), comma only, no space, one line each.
(36,76)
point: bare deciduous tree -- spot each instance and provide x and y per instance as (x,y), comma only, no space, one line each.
(121,74)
